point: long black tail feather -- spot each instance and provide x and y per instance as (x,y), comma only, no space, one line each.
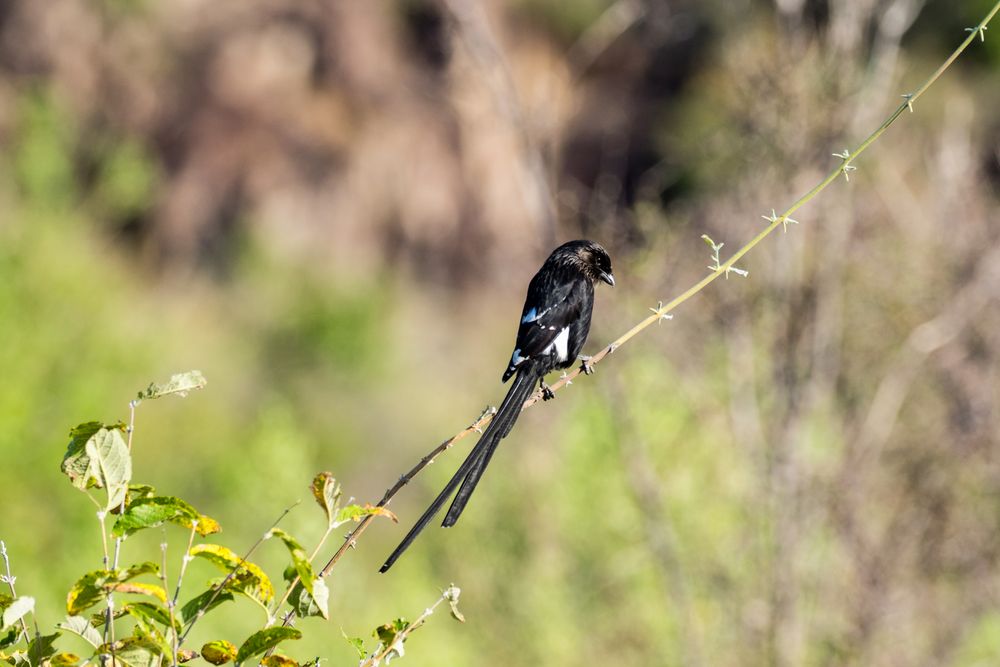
(471,470)
(500,426)
(435,506)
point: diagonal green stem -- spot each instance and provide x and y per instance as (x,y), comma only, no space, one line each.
(662,311)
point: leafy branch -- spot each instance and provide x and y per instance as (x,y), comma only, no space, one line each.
(13,609)
(392,635)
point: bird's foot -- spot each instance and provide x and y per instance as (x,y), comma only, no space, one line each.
(547,393)
(585,366)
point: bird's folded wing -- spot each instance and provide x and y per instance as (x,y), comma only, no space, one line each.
(536,335)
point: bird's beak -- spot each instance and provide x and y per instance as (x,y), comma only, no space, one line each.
(608,278)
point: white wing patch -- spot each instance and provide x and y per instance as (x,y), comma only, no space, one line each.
(516,358)
(561,345)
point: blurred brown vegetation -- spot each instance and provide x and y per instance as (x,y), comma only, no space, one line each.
(332,207)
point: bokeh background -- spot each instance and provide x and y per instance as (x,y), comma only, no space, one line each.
(332,208)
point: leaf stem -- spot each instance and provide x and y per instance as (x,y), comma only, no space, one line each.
(377,658)
(10,579)
(170,604)
(109,618)
(298,578)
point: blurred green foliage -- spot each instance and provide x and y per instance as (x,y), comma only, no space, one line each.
(567,557)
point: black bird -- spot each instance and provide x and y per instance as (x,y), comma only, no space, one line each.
(554,325)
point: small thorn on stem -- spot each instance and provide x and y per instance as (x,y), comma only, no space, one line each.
(981,29)
(783,219)
(847,167)
(660,315)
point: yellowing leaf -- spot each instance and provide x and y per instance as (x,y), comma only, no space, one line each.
(152,613)
(93,586)
(86,592)
(140,589)
(247,577)
(62,660)
(204,603)
(265,639)
(152,511)
(326,491)
(357,512)
(218,652)
(300,560)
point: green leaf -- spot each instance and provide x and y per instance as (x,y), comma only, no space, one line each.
(218,652)
(358,643)
(134,492)
(321,597)
(97,620)
(145,628)
(16,610)
(10,638)
(265,639)
(247,579)
(97,456)
(63,660)
(357,512)
(201,603)
(307,605)
(277,660)
(76,464)
(114,463)
(180,384)
(41,648)
(80,626)
(326,491)
(152,613)
(300,561)
(86,592)
(389,636)
(133,652)
(133,571)
(93,586)
(386,633)
(146,616)
(152,511)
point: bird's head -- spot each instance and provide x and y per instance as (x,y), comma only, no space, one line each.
(589,257)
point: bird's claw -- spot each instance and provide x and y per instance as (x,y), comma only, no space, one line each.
(547,393)
(586,367)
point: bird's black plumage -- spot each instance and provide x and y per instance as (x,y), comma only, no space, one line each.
(554,325)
